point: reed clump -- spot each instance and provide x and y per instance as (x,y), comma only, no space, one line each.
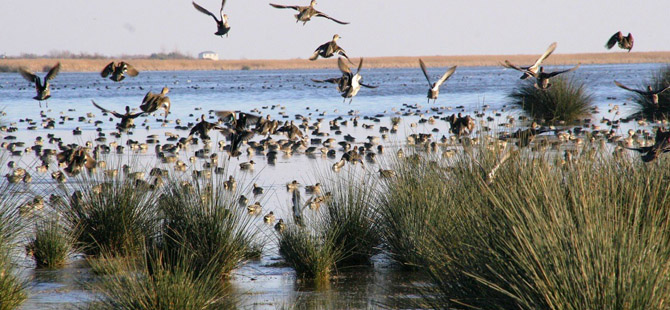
(51,245)
(567,100)
(645,107)
(12,286)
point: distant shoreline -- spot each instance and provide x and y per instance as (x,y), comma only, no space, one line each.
(95,65)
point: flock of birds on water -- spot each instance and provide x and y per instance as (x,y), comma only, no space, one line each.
(239,128)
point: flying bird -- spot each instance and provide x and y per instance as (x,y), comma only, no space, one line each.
(434,90)
(625,43)
(661,145)
(532,70)
(118,71)
(127,119)
(152,102)
(542,78)
(649,93)
(42,88)
(353,81)
(202,129)
(328,49)
(222,27)
(305,13)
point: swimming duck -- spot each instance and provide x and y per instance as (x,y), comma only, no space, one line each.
(126,119)
(353,81)
(269,218)
(247,165)
(328,49)
(257,190)
(434,90)
(254,208)
(305,13)
(542,78)
(313,189)
(117,71)
(42,89)
(532,70)
(280,226)
(649,93)
(625,43)
(152,102)
(222,27)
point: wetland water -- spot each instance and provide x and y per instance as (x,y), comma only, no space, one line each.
(263,284)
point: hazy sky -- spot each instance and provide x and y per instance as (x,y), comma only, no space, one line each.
(378,27)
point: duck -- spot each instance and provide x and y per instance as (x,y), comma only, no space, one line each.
(650,93)
(75,158)
(257,190)
(532,70)
(247,166)
(42,88)
(202,129)
(269,218)
(290,187)
(254,208)
(434,90)
(328,49)
(127,119)
(353,82)
(542,78)
(280,226)
(305,13)
(222,27)
(313,189)
(625,43)
(117,71)
(152,102)
(661,145)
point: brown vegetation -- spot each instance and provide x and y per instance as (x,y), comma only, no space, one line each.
(93,65)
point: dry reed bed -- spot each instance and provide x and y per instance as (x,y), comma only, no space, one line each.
(94,65)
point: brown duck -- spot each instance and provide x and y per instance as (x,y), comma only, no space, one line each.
(305,13)
(117,71)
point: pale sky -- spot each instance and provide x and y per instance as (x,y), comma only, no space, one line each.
(378,27)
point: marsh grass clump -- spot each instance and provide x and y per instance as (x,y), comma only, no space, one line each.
(204,222)
(312,254)
(12,287)
(51,245)
(109,216)
(152,285)
(567,100)
(645,107)
(543,234)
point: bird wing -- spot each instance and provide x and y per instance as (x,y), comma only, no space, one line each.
(136,115)
(613,40)
(343,67)
(368,86)
(107,70)
(107,111)
(226,116)
(204,11)
(52,73)
(130,70)
(332,80)
(249,119)
(629,89)
(425,72)
(510,65)
(321,14)
(223,3)
(360,65)
(644,149)
(630,40)
(546,54)
(446,75)
(27,75)
(563,71)
(279,6)
(661,90)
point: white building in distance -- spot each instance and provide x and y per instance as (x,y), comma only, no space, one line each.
(208,55)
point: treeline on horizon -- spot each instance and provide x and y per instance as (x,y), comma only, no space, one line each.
(81,55)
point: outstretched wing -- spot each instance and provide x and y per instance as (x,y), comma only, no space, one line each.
(563,71)
(204,11)
(107,70)
(343,67)
(425,72)
(223,3)
(661,90)
(333,80)
(629,89)
(368,86)
(510,65)
(27,75)
(279,6)
(360,65)
(546,54)
(321,14)
(52,73)
(630,41)
(130,70)
(107,111)
(226,116)
(613,40)
(446,75)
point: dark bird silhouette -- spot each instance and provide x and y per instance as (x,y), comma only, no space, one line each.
(461,125)
(75,158)
(661,145)
(649,93)
(625,43)
(542,78)
(341,82)
(291,130)
(222,27)
(532,70)
(152,102)
(328,49)
(434,90)
(127,119)
(42,88)
(118,71)
(202,129)
(305,13)
(526,136)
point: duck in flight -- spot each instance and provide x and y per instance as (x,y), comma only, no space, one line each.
(625,43)
(328,49)
(305,13)
(42,88)
(127,119)
(152,102)
(542,77)
(532,70)
(117,71)
(434,90)
(661,145)
(353,81)
(650,93)
(222,27)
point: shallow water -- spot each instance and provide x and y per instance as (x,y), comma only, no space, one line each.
(193,93)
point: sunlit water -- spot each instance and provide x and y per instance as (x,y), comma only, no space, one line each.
(197,92)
